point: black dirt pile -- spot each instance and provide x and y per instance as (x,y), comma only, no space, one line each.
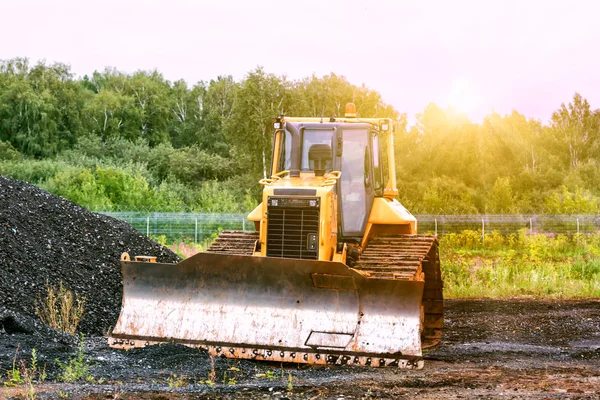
(45,239)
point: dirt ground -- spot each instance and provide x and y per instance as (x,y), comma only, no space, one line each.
(491,349)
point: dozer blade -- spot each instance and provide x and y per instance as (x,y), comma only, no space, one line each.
(283,310)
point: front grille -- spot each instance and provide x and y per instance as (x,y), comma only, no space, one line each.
(293,229)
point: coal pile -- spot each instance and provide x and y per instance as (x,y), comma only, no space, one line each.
(45,239)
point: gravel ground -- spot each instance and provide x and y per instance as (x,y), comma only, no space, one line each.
(45,239)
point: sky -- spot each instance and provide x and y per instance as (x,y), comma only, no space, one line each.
(476,56)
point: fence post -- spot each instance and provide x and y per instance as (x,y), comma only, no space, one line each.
(530,226)
(482,230)
(148,226)
(244,224)
(577,225)
(196,231)
(435,219)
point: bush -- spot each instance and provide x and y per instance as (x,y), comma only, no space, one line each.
(80,186)
(32,171)
(564,201)
(8,152)
(189,165)
(61,309)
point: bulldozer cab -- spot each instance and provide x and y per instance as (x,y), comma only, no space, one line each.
(352,148)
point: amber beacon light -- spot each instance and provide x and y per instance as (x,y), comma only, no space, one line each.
(350,110)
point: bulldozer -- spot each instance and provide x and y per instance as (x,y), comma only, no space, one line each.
(334,272)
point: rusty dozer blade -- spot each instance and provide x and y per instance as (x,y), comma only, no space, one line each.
(283,310)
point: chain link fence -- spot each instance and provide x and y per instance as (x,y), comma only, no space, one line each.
(197,227)
(510,223)
(183,226)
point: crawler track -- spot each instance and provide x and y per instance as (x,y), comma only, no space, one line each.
(235,242)
(409,257)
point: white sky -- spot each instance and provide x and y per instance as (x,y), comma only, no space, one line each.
(528,55)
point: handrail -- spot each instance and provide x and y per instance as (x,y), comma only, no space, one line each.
(273,178)
(332,178)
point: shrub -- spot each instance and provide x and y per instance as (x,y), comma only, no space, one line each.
(61,309)
(8,152)
(32,171)
(80,186)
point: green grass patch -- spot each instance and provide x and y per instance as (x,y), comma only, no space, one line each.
(520,265)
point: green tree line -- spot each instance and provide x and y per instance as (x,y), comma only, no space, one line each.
(112,140)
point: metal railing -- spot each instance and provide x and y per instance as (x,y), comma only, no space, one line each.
(198,227)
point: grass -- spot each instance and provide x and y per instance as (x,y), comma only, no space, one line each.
(60,308)
(520,265)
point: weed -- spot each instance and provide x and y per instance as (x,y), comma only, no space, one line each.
(108,331)
(63,395)
(60,309)
(23,375)
(78,367)
(28,376)
(270,375)
(41,374)
(290,382)
(14,374)
(232,379)
(225,377)
(31,374)
(176,381)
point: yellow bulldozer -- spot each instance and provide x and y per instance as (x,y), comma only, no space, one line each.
(334,273)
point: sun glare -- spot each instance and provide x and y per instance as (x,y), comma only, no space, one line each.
(462,96)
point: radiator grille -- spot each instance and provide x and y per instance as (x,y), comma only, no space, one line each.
(293,232)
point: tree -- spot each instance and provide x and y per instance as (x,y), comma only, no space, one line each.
(260,98)
(217,108)
(328,96)
(40,107)
(111,114)
(185,118)
(577,128)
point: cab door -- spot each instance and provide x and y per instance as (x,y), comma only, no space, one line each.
(355,190)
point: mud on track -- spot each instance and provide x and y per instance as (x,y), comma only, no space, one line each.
(491,349)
